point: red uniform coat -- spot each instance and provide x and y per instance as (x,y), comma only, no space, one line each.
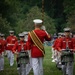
(4,41)
(62,43)
(73,39)
(18,46)
(10,42)
(1,46)
(35,52)
(55,45)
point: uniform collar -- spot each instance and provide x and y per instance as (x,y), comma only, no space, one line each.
(37,28)
(11,36)
(21,41)
(67,38)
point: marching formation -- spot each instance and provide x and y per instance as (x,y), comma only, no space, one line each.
(29,50)
(63,51)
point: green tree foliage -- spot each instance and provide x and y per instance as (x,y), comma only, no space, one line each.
(55,9)
(69,9)
(71,21)
(18,13)
(4,26)
(69,6)
(13,11)
(35,13)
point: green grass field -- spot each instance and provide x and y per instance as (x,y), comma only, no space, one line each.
(49,67)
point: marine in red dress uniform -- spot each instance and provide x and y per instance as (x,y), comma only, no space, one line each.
(65,42)
(19,46)
(2,48)
(1,45)
(36,53)
(55,47)
(10,40)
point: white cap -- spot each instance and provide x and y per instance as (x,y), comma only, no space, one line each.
(2,34)
(37,21)
(21,35)
(60,33)
(67,29)
(11,31)
(25,33)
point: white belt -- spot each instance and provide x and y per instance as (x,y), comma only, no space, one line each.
(65,49)
(10,44)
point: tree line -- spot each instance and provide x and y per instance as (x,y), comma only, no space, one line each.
(18,15)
